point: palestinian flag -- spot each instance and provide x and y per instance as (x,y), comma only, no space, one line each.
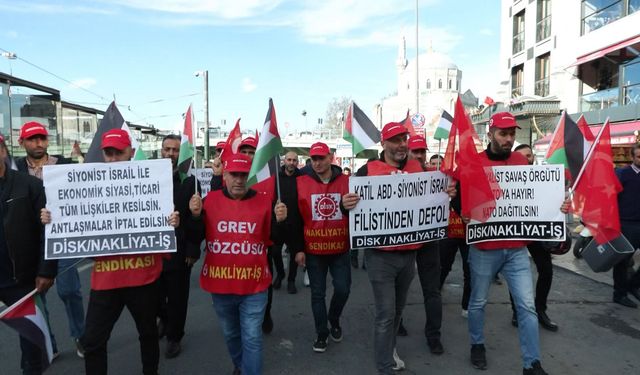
(112,119)
(266,162)
(185,157)
(139,154)
(569,146)
(444,126)
(27,317)
(359,130)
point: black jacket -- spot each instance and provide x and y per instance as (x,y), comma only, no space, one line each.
(22,199)
(289,196)
(187,247)
(21,163)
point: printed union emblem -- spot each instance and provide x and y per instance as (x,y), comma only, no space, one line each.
(326,206)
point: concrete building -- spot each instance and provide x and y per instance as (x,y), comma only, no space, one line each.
(579,55)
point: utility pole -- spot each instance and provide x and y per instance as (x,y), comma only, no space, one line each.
(417,65)
(206,115)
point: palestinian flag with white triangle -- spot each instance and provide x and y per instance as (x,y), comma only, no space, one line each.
(27,317)
(185,157)
(139,154)
(359,130)
(266,162)
(444,126)
(569,144)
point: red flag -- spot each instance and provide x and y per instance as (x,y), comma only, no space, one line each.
(584,128)
(477,192)
(489,101)
(409,125)
(595,197)
(233,142)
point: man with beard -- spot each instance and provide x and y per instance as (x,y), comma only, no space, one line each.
(508,257)
(176,271)
(34,139)
(288,174)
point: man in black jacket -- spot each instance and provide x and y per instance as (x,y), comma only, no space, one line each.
(176,271)
(288,195)
(34,139)
(22,264)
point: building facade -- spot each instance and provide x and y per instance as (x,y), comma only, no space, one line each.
(581,53)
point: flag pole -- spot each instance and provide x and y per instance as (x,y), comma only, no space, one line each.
(439,145)
(597,140)
(277,157)
(195,150)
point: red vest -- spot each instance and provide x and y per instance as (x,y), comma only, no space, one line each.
(237,235)
(326,228)
(122,271)
(380,168)
(515,158)
(456,228)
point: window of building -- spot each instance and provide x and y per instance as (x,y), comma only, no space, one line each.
(428,84)
(439,83)
(600,88)
(631,82)
(634,6)
(598,13)
(518,32)
(458,85)
(543,18)
(450,85)
(542,75)
(517,80)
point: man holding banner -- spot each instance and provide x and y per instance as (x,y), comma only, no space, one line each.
(22,264)
(501,254)
(121,280)
(326,241)
(390,268)
(176,270)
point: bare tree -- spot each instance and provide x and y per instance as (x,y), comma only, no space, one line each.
(336,108)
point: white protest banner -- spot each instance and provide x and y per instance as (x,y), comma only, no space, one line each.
(399,209)
(527,205)
(102,209)
(204,176)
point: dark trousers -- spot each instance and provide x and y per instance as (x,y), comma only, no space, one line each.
(105,307)
(339,267)
(174,299)
(279,264)
(428,261)
(448,249)
(542,259)
(622,283)
(31,360)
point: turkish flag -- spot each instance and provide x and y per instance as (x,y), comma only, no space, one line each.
(595,197)
(233,142)
(477,197)
(409,125)
(489,101)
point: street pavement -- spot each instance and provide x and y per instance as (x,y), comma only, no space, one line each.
(595,337)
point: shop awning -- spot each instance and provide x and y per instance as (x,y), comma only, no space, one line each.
(605,51)
(621,133)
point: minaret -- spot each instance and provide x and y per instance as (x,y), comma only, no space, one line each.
(401,61)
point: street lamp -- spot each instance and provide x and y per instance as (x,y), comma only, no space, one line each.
(205,75)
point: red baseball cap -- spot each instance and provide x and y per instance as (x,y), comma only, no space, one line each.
(238,163)
(392,129)
(32,128)
(319,149)
(417,143)
(116,138)
(503,120)
(1,138)
(249,141)
(220,145)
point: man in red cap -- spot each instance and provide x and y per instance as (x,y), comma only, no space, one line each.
(34,139)
(219,147)
(508,257)
(238,229)
(326,241)
(390,269)
(418,149)
(247,146)
(112,290)
(22,264)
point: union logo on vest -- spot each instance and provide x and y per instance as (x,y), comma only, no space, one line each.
(326,206)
